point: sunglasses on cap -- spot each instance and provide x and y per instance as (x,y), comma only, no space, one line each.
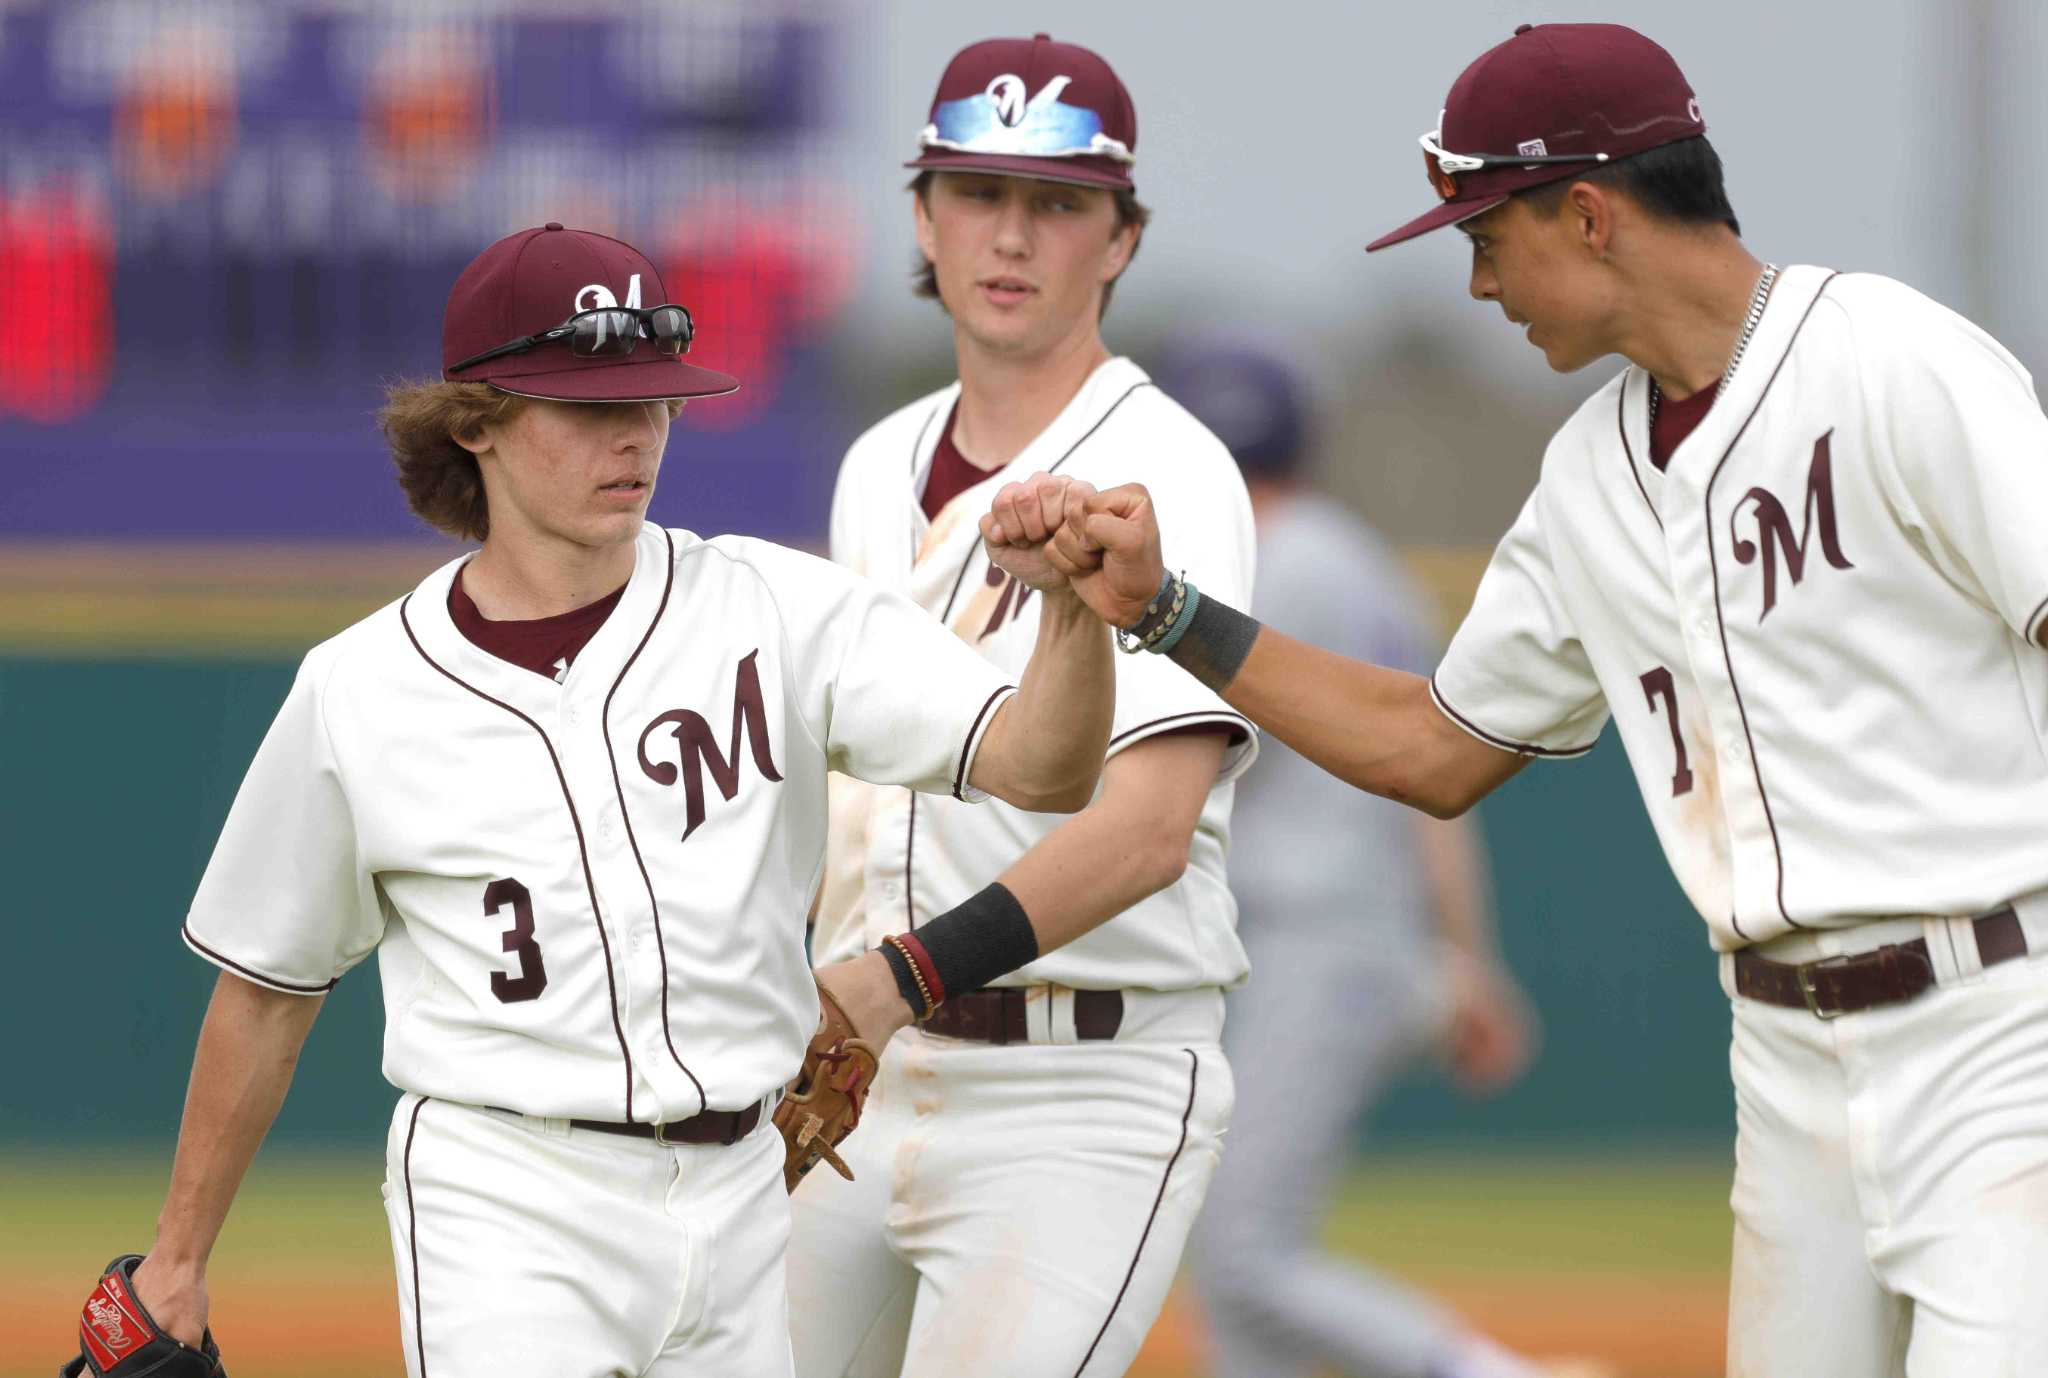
(1445,167)
(607,332)
(1046,128)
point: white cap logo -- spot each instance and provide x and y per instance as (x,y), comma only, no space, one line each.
(1007,94)
(1692,108)
(598,297)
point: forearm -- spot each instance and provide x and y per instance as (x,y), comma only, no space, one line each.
(248,1048)
(1130,843)
(1044,751)
(1091,868)
(1454,865)
(1374,728)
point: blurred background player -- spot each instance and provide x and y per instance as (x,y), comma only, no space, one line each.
(1370,932)
(1034,1154)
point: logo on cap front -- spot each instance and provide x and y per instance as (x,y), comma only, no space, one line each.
(1011,102)
(1533,148)
(1001,119)
(598,297)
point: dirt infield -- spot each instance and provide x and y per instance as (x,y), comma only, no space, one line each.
(322,1325)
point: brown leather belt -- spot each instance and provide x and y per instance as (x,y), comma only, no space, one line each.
(711,1127)
(997,1015)
(1889,974)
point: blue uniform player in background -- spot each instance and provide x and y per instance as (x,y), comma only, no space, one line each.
(1371,939)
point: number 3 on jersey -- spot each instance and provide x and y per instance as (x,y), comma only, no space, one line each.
(1657,683)
(533,976)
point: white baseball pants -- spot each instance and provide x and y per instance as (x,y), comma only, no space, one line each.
(528,1249)
(1891,1181)
(1018,1211)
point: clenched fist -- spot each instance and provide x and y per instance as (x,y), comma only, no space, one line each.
(1021,523)
(1108,548)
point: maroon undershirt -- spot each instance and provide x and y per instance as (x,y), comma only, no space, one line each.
(952,473)
(1677,420)
(544,645)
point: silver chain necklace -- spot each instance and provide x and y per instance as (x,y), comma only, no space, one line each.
(1757,299)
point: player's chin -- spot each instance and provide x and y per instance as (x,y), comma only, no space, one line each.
(618,523)
(1563,357)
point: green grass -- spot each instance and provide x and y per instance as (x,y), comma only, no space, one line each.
(1646,1212)
(1433,1213)
(71,1213)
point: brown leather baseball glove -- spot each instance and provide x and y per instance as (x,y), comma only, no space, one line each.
(118,1337)
(822,1106)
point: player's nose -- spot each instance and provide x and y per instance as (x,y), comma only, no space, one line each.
(1484,286)
(640,428)
(1013,226)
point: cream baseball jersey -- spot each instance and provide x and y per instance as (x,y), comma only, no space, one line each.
(587,898)
(1815,631)
(898,860)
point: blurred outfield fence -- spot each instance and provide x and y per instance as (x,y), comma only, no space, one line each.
(120,771)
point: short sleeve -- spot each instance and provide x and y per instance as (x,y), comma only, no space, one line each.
(285,902)
(1969,443)
(900,699)
(1516,675)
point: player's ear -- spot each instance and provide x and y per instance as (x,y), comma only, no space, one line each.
(1122,246)
(921,214)
(1590,210)
(477,441)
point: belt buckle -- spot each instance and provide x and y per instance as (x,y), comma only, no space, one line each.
(1806,986)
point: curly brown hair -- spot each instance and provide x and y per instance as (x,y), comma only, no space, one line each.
(443,485)
(924,279)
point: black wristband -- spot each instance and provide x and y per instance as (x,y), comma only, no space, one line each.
(983,937)
(906,980)
(1213,647)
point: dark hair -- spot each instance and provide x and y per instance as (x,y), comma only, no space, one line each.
(924,279)
(1679,182)
(442,483)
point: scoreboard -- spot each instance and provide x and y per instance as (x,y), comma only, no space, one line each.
(225,226)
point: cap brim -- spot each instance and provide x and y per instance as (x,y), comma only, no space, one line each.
(631,380)
(1445,213)
(1078,172)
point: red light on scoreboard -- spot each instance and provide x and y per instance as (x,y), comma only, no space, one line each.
(56,305)
(428,115)
(174,123)
(759,279)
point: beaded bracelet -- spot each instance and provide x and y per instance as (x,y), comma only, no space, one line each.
(1160,615)
(1180,625)
(916,974)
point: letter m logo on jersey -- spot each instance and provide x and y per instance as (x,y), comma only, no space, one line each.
(698,749)
(1774,527)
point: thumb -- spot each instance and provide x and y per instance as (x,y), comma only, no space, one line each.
(1114,533)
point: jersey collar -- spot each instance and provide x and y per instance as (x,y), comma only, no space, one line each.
(595,670)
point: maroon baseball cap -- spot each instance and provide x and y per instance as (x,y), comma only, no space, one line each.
(534,281)
(1031,108)
(1554,101)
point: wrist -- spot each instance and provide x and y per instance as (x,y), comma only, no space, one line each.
(170,1257)
(1064,607)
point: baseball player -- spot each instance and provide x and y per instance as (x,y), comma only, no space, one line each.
(1354,983)
(571,791)
(1033,1156)
(1795,552)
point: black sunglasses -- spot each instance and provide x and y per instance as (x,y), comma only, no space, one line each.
(606,332)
